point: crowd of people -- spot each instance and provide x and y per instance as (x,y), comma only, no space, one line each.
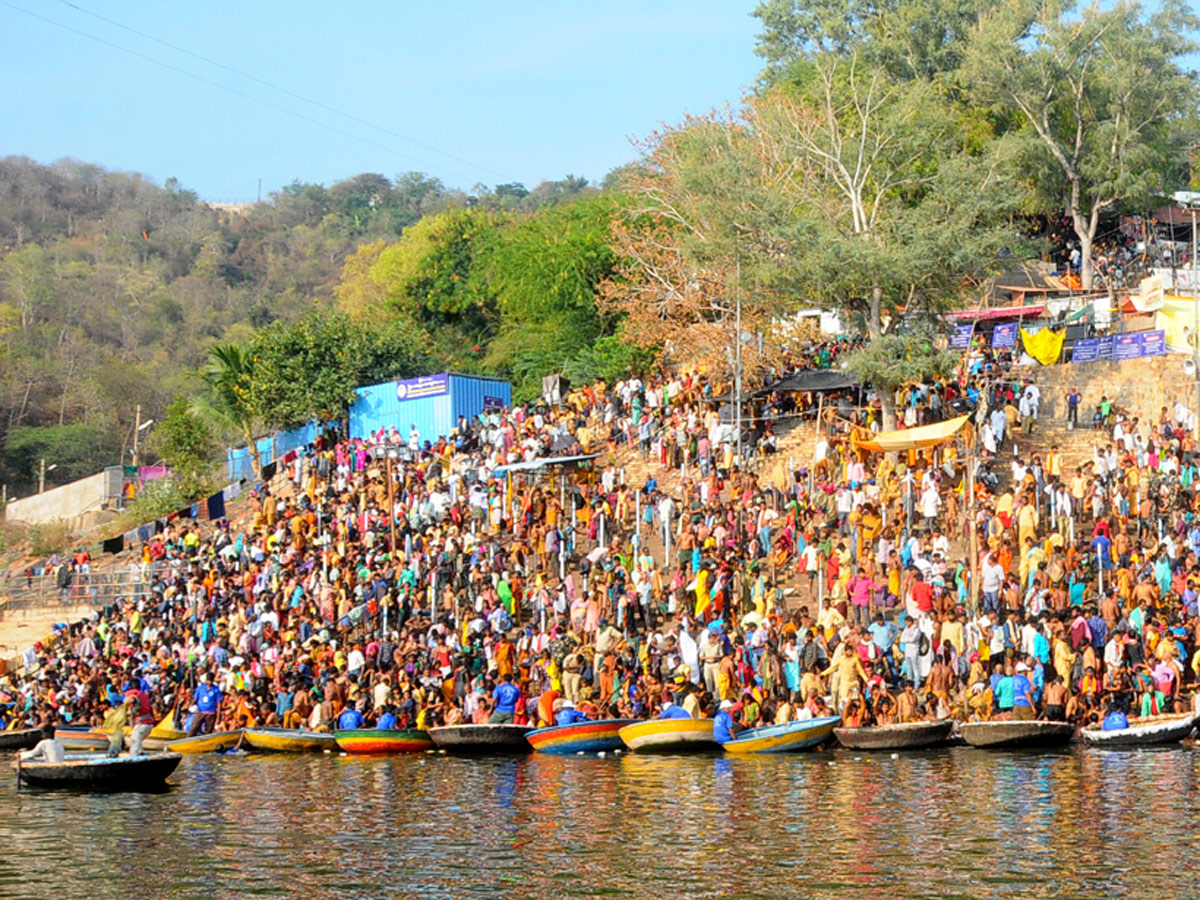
(435,585)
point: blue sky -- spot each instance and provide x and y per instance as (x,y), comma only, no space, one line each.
(501,92)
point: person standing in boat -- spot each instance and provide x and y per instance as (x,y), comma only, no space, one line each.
(505,696)
(115,719)
(725,727)
(141,715)
(207,697)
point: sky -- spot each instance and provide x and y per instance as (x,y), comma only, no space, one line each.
(470,92)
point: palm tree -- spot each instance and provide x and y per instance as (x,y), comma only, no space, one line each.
(226,403)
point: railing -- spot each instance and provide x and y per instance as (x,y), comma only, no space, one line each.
(86,589)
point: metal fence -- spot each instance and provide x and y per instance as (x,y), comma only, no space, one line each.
(86,589)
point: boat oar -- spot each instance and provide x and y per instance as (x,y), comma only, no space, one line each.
(18,770)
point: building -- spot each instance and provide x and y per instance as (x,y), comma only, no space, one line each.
(433,403)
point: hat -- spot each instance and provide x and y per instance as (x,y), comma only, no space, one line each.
(726,704)
(1021,667)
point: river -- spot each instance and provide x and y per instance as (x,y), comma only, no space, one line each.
(952,823)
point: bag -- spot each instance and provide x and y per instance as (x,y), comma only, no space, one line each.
(923,644)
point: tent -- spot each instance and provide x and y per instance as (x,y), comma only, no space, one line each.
(913,438)
(813,380)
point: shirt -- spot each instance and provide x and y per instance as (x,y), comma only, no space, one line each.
(1004,692)
(350,719)
(208,698)
(1021,687)
(506,694)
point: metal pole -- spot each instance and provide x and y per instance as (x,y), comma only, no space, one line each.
(137,430)
(1196,317)
(737,354)
(391,509)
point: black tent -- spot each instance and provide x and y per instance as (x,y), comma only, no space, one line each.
(813,380)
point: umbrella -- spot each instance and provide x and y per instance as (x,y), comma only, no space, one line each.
(752,619)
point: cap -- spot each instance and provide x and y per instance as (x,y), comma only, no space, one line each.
(726,704)
(1021,667)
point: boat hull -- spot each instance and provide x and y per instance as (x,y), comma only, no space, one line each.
(1016,734)
(381,741)
(288,740)
(901,736)
(481,739)
(791,737)
(93,771)
(670,736)
(581,737)
(25,739)
(205,743)
(1143,732)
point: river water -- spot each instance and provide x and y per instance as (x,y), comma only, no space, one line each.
(952,823)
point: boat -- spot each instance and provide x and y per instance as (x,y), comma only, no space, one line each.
(1143,732)
(289,740)
(384,740)
(579,737)
(481,738)
(670,735)
(205,743)
(81,738)
(145,772)
(790,737)
(898,736)
(1016,733)
(25,739)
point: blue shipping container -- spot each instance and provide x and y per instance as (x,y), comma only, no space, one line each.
(432,403)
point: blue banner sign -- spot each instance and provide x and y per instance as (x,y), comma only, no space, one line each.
(425,386)
(1120,346)
(1005,335)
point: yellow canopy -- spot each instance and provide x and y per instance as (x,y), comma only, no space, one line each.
(912,438)
(1045,346)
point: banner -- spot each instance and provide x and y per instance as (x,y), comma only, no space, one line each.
(1045,346)
(1005,335)
(960,338)
(425,386)
(1121,346)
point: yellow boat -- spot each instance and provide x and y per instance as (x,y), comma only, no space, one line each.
(790,737)
(205,743)
(669,735)
(160,734)
(289,740)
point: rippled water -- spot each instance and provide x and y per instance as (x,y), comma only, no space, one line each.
(955,823)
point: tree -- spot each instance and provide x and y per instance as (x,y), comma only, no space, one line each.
(893,215)
(310,370)
(698,240)
(187,446)
(227,405)
(1093,97)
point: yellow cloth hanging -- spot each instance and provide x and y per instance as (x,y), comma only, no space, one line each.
(1045,346)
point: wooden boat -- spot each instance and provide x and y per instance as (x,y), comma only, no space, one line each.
(93,770)
(25,739)
(81,738)
(899,736)
(1016,733)
(481,738)
(1143,732)
(669,735)
(206,743)
(384,740)
(790,737)
(289,740)
(580,737)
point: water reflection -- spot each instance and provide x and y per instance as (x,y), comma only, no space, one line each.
(958,822)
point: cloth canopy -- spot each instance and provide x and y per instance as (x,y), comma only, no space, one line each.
(913,438)
(1045,346)
(813,380)
(1003,312)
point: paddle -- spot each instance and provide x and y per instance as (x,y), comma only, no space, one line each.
(18,770)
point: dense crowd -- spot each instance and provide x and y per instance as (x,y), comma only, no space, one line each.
(407,581)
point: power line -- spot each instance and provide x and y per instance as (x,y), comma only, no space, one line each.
(332,128)
(280,88)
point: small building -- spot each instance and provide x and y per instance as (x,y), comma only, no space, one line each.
(433,403)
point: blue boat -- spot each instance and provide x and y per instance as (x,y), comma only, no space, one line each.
(787,738)
(579,737)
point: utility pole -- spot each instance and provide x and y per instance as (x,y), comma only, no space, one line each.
(737,364)
(42,475)
(137,430)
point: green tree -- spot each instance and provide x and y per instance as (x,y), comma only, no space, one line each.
(187,446)
(310,369)
(227,404)
(1094,94)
